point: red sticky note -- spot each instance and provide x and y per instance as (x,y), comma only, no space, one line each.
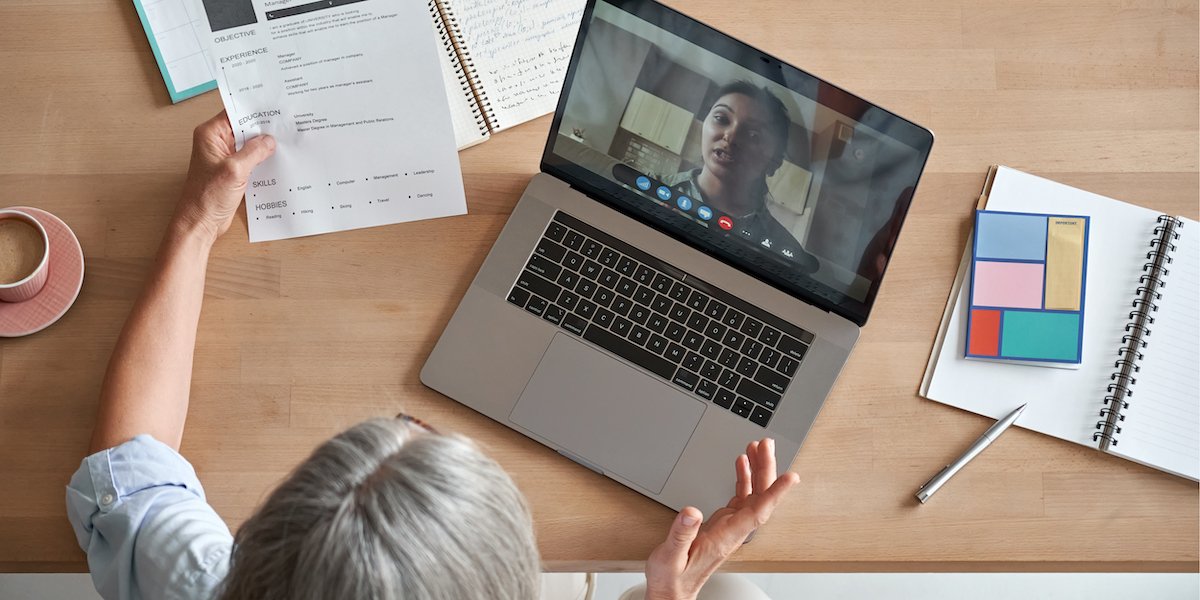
(984,337)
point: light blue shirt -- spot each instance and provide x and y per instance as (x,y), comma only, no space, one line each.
(139,512)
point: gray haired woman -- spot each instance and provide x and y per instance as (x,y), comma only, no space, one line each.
(388,509)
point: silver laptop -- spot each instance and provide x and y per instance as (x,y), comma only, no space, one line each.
(690,270)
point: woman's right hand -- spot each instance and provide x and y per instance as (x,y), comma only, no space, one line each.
(680,566)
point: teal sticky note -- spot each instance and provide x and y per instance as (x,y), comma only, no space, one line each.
(1010,236)
(1040,335)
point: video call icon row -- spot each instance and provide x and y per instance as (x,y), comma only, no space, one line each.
(664,193)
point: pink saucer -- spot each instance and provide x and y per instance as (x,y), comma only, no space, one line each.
(62,287)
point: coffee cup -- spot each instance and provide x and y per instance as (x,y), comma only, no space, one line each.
(24,256)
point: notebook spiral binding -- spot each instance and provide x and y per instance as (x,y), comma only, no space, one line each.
(1120,391)
(455,48)
(464,65)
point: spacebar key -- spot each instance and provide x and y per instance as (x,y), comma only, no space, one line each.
(657,365)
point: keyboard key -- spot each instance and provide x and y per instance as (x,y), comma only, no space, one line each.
(609,278)
(538,285)
(771,380)
(710,370)
(733,339)
(639,335)
(751,327)
(728,358)
(608,257)
(644,295)
(542,266)
(585,309)
(574,324)
(675,353)
(574,240)
(706,389)
(591,249)
(697,300)
(758,393)
(657,323)
(685,379)
(603,297)
(643,275)
(693,361)
(679,312)
(555,231)
(657,344)
(715,310)
(769,336)
(661,304)
(591,269)
(760,416)
(675,331)
(626,266)
(729,379)
(629,352)
(715,330)
(746,366)
(621,306)
(586,288)
(733,318)
(518,296)
(537,305)
(769,357)
(661,283)
(550,250)
(604,317)
(698,321)
(680,292)
(743,407)
(787,365)
(724,398)
(792,347)
(626,287)
(554,314)
(573,260)
(640,314)
(710,349)
(693,340)
(751,348)
(568,279)
(568,300)
(621,326)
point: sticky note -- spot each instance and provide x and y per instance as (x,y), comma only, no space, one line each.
(1007,285)
(1040,335)
(1064,263)
(1013,236)
(984,333)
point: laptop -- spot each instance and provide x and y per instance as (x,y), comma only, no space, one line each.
(691,268)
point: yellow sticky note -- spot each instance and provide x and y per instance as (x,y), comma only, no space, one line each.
(1064,263)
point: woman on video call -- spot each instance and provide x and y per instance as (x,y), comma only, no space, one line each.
(742,143)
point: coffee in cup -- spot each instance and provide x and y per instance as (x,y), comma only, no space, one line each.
(23,256)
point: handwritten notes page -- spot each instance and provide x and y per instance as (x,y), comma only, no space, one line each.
(521,49)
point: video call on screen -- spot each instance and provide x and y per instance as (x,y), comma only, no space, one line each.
(735,152)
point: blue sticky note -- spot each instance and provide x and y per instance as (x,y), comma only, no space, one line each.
(1010,236)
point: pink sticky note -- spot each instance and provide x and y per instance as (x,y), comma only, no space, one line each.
(1008,285)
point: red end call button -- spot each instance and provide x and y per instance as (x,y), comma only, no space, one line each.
(725,222)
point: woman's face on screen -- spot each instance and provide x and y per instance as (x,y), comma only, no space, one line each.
(737,144)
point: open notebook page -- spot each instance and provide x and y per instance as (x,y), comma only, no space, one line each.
(1063,403)
(521,49)
(1162,424)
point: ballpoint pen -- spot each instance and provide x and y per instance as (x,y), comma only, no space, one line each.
(984,441)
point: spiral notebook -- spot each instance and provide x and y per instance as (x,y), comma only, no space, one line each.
(1137,391)
(503,61)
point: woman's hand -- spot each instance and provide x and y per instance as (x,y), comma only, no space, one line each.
(680,566)
(217,177)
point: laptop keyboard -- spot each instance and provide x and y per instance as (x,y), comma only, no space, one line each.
(698,337)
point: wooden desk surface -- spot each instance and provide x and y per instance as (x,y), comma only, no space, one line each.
(302,338)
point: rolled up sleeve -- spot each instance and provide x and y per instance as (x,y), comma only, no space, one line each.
(139,512)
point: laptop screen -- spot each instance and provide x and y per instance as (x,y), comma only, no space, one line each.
(725,148)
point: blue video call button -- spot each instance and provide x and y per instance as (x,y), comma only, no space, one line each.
(664,193)
(684,203)
(704,212)
(643,183)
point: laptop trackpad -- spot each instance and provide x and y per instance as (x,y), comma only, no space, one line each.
(618,418)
